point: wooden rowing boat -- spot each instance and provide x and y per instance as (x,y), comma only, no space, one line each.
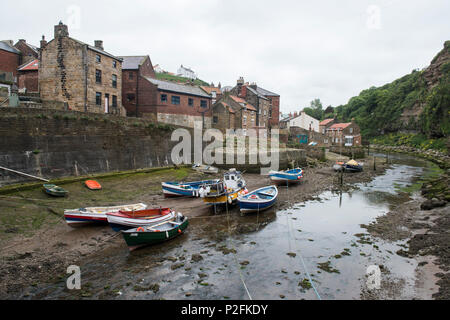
(258,200)
(124,220)
(148,235)
(54,190)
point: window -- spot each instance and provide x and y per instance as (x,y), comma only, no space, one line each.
(114,64)
(98,58)
(98,98)
(244,120)
(190,102)
(98,76)
(130,97)
(215,119)
(114,101)
(175,100)
(130,75)
(203,103)
(351,130)
(114,81)
(164,98)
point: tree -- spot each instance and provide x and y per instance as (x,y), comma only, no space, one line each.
(315,110)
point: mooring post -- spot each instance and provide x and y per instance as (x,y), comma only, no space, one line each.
(374,168)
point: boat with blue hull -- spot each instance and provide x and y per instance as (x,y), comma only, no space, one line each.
(258,200)
(185,189)
(292,175)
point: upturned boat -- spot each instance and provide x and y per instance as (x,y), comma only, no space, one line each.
(124,220)
(205,168)
(292,175)
(353,166)
(54,190)
(226,190)
(92,185)
(258,200)
(81,216)
(148,235)
(187,189)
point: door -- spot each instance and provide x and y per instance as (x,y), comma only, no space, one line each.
(106,103)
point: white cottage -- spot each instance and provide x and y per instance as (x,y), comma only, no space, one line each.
(304,121)
(186,72)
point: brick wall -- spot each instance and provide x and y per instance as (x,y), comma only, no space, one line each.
(274,121)
(9,62)
(27,54)
(28,80)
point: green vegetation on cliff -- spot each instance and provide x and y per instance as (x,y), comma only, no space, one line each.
(171,77)
(418,102)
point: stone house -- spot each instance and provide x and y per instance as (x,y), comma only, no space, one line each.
(85,77)
(214,92)
(344,134)
(28,51)
(28,76)
(325,124)
(232,112)
(251,95)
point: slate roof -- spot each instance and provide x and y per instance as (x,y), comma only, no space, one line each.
(132,62)
(179,88)
(5,46)
(256,92)
(93,48)
(265,92)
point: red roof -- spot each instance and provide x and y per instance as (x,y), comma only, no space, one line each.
(30,66)
(339,126)
(240,100)
(230,109)
(325,122)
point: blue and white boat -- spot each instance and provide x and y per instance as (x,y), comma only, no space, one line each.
(293,175)
(258,200)
(186,189)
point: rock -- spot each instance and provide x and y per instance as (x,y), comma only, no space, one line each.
(196,257)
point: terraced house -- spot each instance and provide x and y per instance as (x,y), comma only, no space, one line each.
(85,77)
(169,102)
(232,112)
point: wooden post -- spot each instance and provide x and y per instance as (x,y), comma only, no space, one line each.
(374,168)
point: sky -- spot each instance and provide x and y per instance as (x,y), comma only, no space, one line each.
(302,50)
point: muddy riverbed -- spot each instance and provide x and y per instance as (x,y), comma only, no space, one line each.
(317,242)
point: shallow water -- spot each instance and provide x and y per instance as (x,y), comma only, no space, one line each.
(321,231)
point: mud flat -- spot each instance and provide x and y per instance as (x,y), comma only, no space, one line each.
(37,246)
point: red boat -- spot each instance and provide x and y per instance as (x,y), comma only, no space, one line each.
(131,219)
(92,184)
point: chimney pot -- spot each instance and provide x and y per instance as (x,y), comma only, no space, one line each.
(98,44)
(61,30)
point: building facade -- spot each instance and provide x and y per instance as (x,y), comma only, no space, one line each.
(85,77)
(28,51)
(232,112)
(304,121)
(186,72)
(9,61)
(344,134)
(28,76)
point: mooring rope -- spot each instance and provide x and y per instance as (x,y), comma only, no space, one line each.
(234,253)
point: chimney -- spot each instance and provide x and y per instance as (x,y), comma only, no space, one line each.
(243,91)
(240,81)
(295,114)
(43,42)
(61,30)
(23,40)
(9,42)
(253,85)
(98,44)
(219,86)
(290,114)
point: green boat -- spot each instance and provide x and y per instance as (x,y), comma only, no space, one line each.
(142,236)
(54,190)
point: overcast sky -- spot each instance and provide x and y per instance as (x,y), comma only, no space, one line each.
(299,49)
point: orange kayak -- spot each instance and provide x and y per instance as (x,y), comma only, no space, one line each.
(93,185)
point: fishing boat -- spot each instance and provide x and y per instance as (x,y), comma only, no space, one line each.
(82,216)
(205,168)
(124,220)
(187,189)
(258,200)
(147,235)
(292,175)
(54,190)
(92,184)
(353,166)
(338,166)
(226,190)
